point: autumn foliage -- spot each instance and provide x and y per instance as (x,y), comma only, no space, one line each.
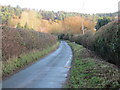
(45,21)
(71,24)
(74,25)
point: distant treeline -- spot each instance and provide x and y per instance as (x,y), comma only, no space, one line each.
(9,11)
(49,21)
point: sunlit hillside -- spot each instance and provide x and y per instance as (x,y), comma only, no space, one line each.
(29,18)
(49,21)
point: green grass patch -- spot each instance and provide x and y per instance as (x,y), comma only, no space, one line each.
(13,64)
(89,72)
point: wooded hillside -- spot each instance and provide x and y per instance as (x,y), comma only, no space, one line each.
(49,21)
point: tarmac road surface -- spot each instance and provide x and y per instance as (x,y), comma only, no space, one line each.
(49,72)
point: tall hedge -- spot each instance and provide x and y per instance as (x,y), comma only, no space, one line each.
(105,42)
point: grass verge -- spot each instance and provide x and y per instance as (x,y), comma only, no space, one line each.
(89,71)
(15,64)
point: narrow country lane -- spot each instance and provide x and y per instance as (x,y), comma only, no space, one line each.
(49,72)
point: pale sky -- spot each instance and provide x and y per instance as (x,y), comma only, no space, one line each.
(82,6)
